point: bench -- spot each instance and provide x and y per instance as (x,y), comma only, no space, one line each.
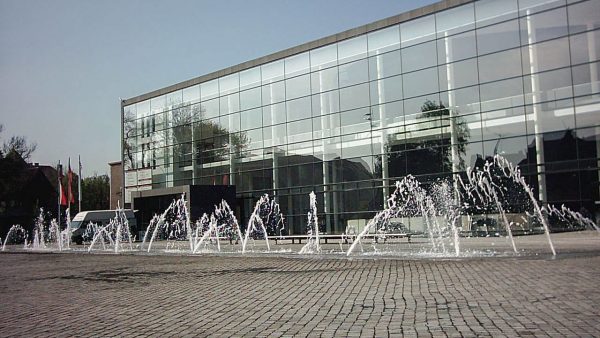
(345,238)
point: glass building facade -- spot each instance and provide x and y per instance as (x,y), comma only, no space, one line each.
(428,93)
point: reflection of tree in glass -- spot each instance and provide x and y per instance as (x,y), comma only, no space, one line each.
(213,142)
(426,152)
(458,127)
(128,138)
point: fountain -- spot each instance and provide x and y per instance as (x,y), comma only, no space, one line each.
(115,233)
(51,237)
(16,234)
(268,216)
(492,200)
(497,188)
(312,228)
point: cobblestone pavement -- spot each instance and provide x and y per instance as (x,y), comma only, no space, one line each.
(77,294)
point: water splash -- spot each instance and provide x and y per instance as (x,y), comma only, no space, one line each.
(115,233)
(269,219)
(16,234)
(312,227)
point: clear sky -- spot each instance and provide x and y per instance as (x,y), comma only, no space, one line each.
(64,64)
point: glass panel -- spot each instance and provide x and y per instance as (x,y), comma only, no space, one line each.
(458,74)
(586,79)
(251,119)
(553,85)
(588,110)
(418,30)
(502,94)
(514,149)
(386,90)
(413,107)
(229,103)
(499,66)
(354,97)
(462,101)
(298,109)
(533,6)
(326,103)
(272,72)
(300,131)
(254,138)
(544,26)
(273,92)
(210,108)
(419,56)
(354,146)
(384,40)
(456,47)
(384,65)
(421,82)
(352,49)
(296,65)
(353,73)
(388,114)
(229,84)
(546,55)
(455,20)
(174,99)
(492,11)
(250,78)
(326,126)
(551,116)
(191,94)
(232,121)
(356,121)
(584,16)
(504,123)
(324,80)
(209,89)
(585,47)
(158,104)
(250,98)
(274,114)
(498,37)
(279,133)
(323,57)
(143,108)
(297,87)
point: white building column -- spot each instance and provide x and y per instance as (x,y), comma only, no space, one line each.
(539,138)
(383,133)
(454,155)
(329,205)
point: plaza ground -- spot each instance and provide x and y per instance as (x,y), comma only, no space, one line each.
(81,294)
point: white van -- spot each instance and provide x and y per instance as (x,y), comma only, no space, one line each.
(99,217)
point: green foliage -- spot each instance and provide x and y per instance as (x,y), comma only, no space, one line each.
(95,193)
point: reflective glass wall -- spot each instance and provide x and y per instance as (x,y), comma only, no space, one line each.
(427,97)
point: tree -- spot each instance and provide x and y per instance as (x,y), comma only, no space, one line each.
(187,129)
(18,145)
(95,193)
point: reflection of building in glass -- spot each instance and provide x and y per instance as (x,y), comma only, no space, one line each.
(428,93)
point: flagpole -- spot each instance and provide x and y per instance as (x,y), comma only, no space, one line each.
(59,192)
(70,189)
(79,183)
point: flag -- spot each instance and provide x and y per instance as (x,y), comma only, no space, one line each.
(61,191)
(70,183)
(79,184)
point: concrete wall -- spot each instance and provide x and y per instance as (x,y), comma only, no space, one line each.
(116,179)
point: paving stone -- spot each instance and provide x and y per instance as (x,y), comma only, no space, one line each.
(210,295)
